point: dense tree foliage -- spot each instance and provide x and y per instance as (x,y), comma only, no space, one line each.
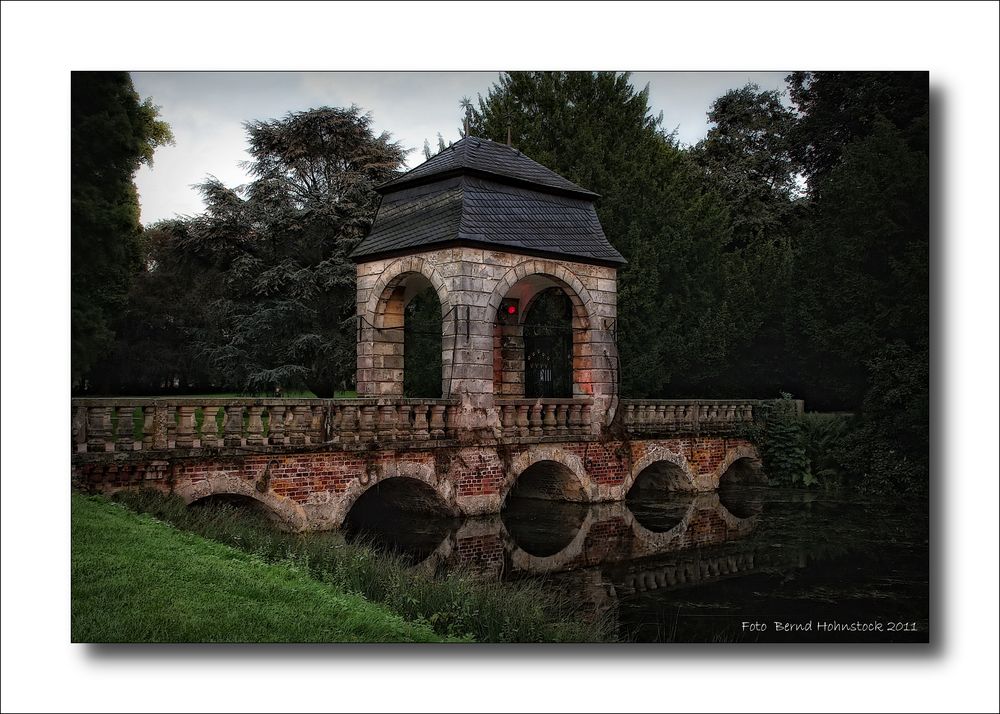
(113,132)
(676,322)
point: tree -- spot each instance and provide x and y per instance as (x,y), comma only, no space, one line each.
(112,134)
(674,323)
(749,157)
(285,317)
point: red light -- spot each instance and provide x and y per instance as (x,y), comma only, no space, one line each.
(511,309)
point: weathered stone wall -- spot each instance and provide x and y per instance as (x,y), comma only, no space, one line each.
(471,283)
(317,488)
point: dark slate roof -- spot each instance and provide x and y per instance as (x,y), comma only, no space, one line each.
(452,205)
(475,156)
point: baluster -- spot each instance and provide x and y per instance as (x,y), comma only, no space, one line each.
(276,425)
(298,425)
(367,429)
(349,425)
(508,420)
(387,422)
(535,419)
(522,420)
(549,420)
(562,419)
(209,427)
(233,426)
(661,418)
(404,428)
(629,416)
(98,428)
(588,426)
(670,417)
(336,419)
(255,427)
(317,431)
(437,421)
(576,420)
(185,427)
(124,438)
(420,426)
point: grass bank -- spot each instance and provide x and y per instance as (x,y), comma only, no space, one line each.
(135,579)
(453,605)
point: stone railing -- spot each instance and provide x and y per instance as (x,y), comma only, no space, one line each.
(692,416)
(126,425)
(535,418)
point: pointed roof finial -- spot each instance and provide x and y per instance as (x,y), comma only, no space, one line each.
(466,124)
(508,136)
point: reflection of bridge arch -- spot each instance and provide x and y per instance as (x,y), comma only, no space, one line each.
(571,467)
(656,455)
(420,473)
(522,560)
(285,509)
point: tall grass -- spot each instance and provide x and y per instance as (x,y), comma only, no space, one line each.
(458,604)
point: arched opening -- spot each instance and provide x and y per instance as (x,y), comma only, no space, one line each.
(660,496)
(548,345)
(406,341)
(540,341)
(401,515)
(244,510)
(422,342)
(545,508)
(740,488)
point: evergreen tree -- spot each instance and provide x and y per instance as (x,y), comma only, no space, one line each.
(113,132)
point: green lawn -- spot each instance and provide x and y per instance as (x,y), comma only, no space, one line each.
(136,579)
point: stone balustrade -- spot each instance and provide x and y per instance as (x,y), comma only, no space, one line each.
(691,416)
(536,418)
(127,425)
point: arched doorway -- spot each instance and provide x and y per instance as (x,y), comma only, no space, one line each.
(548,345)
(422,345)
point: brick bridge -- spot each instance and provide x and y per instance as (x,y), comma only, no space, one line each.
(308,461)
(500,245)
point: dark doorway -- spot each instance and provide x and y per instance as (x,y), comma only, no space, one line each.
(422,346)
(548,346)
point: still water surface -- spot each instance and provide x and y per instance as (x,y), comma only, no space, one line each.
(746,564)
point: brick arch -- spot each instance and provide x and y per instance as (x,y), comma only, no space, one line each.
(562,275)
(393,275)
(288,511)
(656,454)
(526,459)
(413,470)
(734,454)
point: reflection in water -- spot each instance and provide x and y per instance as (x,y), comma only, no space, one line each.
(542,527)
(694,567)
(663,514)
(742,501)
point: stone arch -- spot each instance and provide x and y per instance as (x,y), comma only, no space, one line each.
(509,349)
(734,454)
(381,359)
(653,455)
(413,470)
(538,454)
(574,287)
(285,509)
(394,274)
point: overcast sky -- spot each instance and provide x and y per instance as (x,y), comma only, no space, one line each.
(206,111)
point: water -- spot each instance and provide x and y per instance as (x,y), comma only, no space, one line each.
(747,564)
